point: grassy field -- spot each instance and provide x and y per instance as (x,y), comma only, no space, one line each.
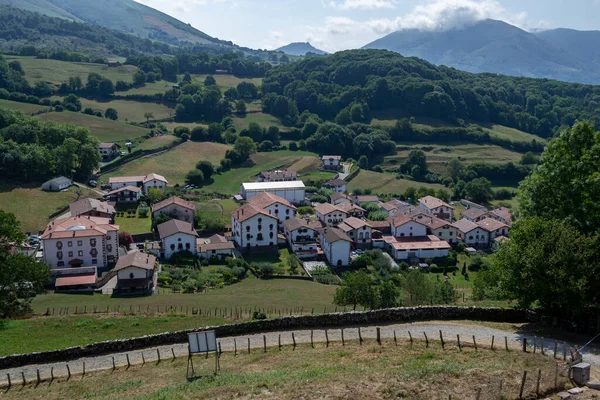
(230,181)
(226,81)
(57,72)
(134,224)
(217,209)
(23,107)
(439,154)
(104,129)
(191,125)
(264,120)
(31,205)
(385,183)
(175,163)
(155,142)
(148,89)
(129,111)
(352,371)
(515,135)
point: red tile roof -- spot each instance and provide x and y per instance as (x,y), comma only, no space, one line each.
(327,208)
(125,188)
(433,202)
(266,199)
(174,200)
(78,226)
(74,280)
(491,225)
(137,260)
(175,226)
(248,211)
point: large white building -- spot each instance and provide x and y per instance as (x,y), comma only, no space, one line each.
(410,248)
(176,236)
(405,226)
(471,233)
(145,183)
(253,227)
(274,205)
(292,191)
(336,246)
(81,242)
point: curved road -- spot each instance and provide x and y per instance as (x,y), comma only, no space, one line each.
(482,333)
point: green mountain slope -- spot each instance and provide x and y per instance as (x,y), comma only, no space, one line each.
(582,44)
(300,49)
(123,15)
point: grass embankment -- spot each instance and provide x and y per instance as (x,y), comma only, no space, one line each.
(32,206)
(24,107)
(176,163)
(104,129)
(385,183)
(133,223)
(351,371)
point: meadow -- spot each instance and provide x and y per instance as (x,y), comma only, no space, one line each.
(148,89)
(217,209)
(129,111)
(32,206)
(225,81)
(26,108)
(264,120)
(175,163)
(104,129)
(385,183)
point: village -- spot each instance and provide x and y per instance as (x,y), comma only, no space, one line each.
(83,249)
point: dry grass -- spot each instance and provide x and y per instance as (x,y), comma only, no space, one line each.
(306,164)
(350,372)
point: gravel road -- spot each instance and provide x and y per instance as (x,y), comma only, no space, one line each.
(418,330)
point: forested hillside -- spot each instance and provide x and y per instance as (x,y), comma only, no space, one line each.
(348,85)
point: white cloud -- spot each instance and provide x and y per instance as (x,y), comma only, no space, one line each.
(361,4)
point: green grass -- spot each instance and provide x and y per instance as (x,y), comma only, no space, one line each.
(385,183)
(317,176)
(57,72)
(32,206)
(191,125)
(226,81)
(129,111)
(515,135)
(353,371)
(104,129)
(155,142)
(175,163)
(148,89)
(24,107)
(217,209)
(230,181)
(264,120)
(134,224)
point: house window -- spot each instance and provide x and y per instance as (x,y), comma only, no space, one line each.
(70,254)
(80,243)
(271,227)
(259,236)
(93,242)
(247,229)
(287,211)
(172,247)
(59,255)
(70,244)
(80,253)
(248,236)
(60,264)
(59,245)
(94,252)
(179,246)
(260,220)
(187,246)
(94,261)
(131,275)
(271,235)
(109,247)
(260,227)
(471,237)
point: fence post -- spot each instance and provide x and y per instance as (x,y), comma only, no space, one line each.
(524,345)
(426,340)
(68,372)
(23,377)
(555,348)
(542,347)
(506,342)
(474,343)
(492,342)
(410,337)
(51,374)
(235,347)
(113,362)
(38,376)
(129,363)
(279,342)
(172,352)
(522,384)
(395,339)
(343,342)
(9,382)
(360,338)
(379,335)
(143,358)
(537,385)
(157,353)
(312,343)
(294,340)
(248,345)
(264,343)
(442,339)
(326,337)
(458,341)
(83,369)
(534,344)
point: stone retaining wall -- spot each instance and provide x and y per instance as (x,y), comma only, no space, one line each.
(393,315)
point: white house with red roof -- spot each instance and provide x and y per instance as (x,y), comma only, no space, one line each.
(336,245)
(274,205)
(359,231)
(176,236)
(437,207)
(471,233)
(300,237)
(329,214)
(176,207)
(145,183)
(253,227)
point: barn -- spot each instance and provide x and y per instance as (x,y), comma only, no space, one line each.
(292,191)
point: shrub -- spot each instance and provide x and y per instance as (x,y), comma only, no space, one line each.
(305,210)
(189,286)
(265,269)
(259,315)
(143,212)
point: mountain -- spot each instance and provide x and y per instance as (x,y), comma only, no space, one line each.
(300,49)
(582,44)
(492,46)
(123,15)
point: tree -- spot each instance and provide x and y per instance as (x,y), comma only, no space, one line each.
(72,103)
(155,195)
(245,146)
(148,116)
(42,89)
(111,113)
(343,117)
(443,194)
(240,106)
(388,295)
(455,167)
(417,286)
(207,169)
(160,219)
(479,190)
(199,134)
(357,288)
(187,78)
(195,177)
(210,81)
(125,239)
(139,78)
(363,162)
(529,158)
(284,59)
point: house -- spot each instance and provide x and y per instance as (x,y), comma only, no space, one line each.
(337,185)
(367,198)
(399,204)
(145,183)
(437,207)
(415,248)
(339,198)
(329,214)
(216,246)
(405,226)
(470,204)
(176,207)
(389,209)
(336,246)
(498,241)
(57,184)
(176,236)
(274,205)
(475,214)
(501,214)
(358,230)
(136,273)
(92,208)
(125,194)
(253,228)
(300,237)
(332,162)
(277,176)
(471,233)
(81,241)
(380,228)
(439,228)
(108,151)
(352,210)
(292,191)
(493,227)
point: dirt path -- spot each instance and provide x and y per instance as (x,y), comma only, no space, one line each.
(483,335)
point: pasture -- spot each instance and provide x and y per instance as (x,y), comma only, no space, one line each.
(504,132)
(25,108)
(264,120)
(175,163)
(225,81)
(217,209)
(148,89)
(32,206)
(56,72)
(385,183)
(104,129)
(129,111)
(155,142)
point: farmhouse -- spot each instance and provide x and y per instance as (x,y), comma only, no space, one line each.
(274,205)
(292,191)
(136,273)
(81,241)
(471,233)
(108,150)
(501,214)
(493,227)
(437,207)
(332,162)
(176,207)
(358,230)
(339,198)
(329,214)
(475,214)
(216,246)
(336,246)
(253,228)
(366,198)
(125,194)
(57,184)
(277,176)
(417,248)
(176,236)
(300,237)
(405,226)
(147,182)
(337,185)
(441,229)
(92,208)
(388,208)
(352,210)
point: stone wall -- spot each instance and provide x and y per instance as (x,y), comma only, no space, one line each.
(393,315)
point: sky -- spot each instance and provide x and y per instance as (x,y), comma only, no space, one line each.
(334,25)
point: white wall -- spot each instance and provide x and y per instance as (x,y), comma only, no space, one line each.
(337,253)
(250,227)
(295,196)
(476,237)
(447,233)
(138,273)
(420,253)
(362,236)
(119,185)
(179,238)
(281,211)
(334,218)
(439,211)
(154,184)
(216,253)
(84,246)
(411,228)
